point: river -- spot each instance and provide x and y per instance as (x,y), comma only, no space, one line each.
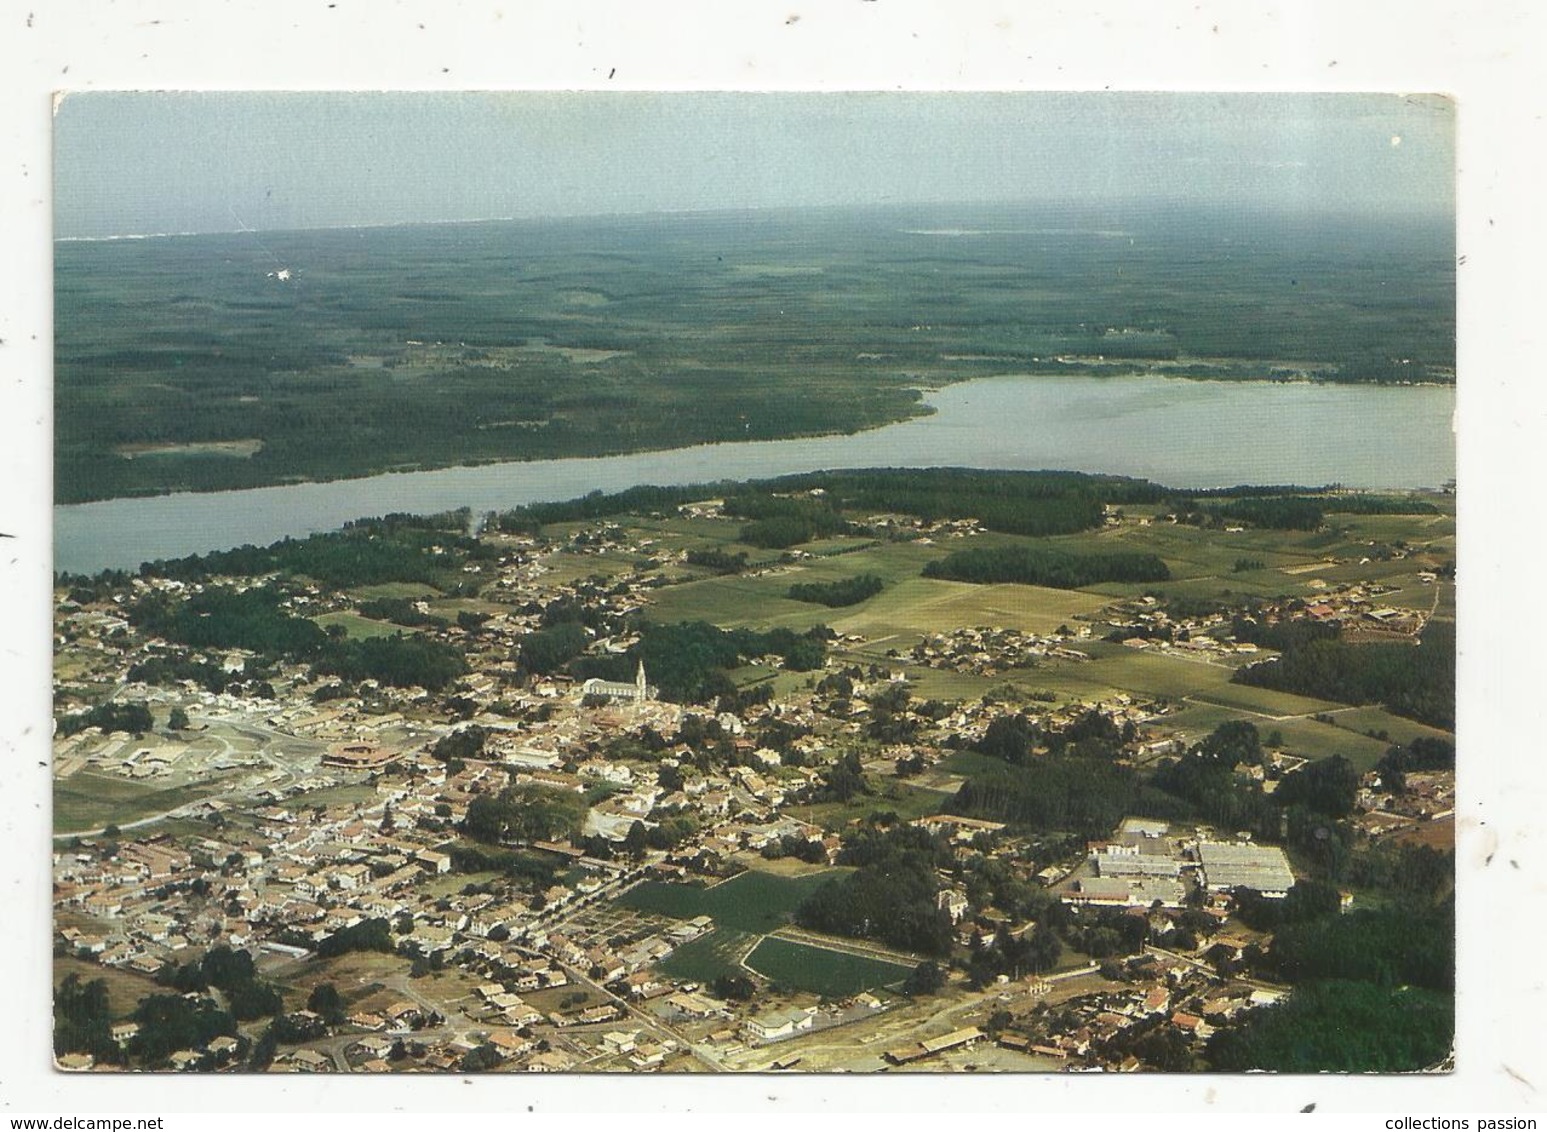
(1175,431)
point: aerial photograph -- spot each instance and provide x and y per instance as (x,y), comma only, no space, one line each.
(661,583)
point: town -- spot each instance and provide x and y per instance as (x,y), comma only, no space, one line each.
(773,778)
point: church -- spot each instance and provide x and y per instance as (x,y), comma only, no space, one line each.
(638,692)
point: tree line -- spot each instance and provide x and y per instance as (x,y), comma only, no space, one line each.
(1045,566)
(1024,503)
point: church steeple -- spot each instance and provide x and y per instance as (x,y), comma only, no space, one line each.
(639,682)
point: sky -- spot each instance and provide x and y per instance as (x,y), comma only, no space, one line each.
(139,163)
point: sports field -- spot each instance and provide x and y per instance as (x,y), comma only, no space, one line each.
(821,970)
(753,901)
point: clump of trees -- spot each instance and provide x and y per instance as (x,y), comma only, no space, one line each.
(1390,946)
(460,745)
(1009,737)
(1014,502)
(524,813)
(233,973)
(846,591)
(134,718)
(397,548)
(1044,566)
(892,894)
(720,561)
(1032,952)
(1328,786)
(1423,753)
(400,611)
(170,1022)
(1088,796)
(1279,513)
(368,935)
(83,1019)
(687,661)
(780,521)
(544,651)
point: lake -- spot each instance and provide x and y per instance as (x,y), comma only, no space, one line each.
(1174,431)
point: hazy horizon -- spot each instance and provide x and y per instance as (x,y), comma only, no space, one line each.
(168,163)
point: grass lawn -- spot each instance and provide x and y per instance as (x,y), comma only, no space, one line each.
(754,901)
(949,685)
(710,956)
(568,568)
(734,601)
(820,970)
(562,998)
(350,794)
(449,607)
(1308,738)
(1148,673)
(915,606)
(90,801)
(892,795)
(1363,719)
(360,628)
(125,989)
(969,763)
(358,976)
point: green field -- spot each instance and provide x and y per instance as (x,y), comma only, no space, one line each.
(1149,673)
(710,956)
(125,989)
(892,796)
(91,801)
(821,970)
(347,794)
(359,628)
(1307,738)
(745,909)
(1202,560)
(753,901)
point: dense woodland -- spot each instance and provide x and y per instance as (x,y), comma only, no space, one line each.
(256,619)
(429,346)
(1045,566)
(1417,681)
(814,504)
(891,895)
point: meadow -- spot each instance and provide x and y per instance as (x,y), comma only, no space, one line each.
(1203,564)
(89,801)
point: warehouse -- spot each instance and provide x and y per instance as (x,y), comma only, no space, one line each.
(1260,867)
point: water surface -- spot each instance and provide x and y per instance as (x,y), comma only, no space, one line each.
(1174,431)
